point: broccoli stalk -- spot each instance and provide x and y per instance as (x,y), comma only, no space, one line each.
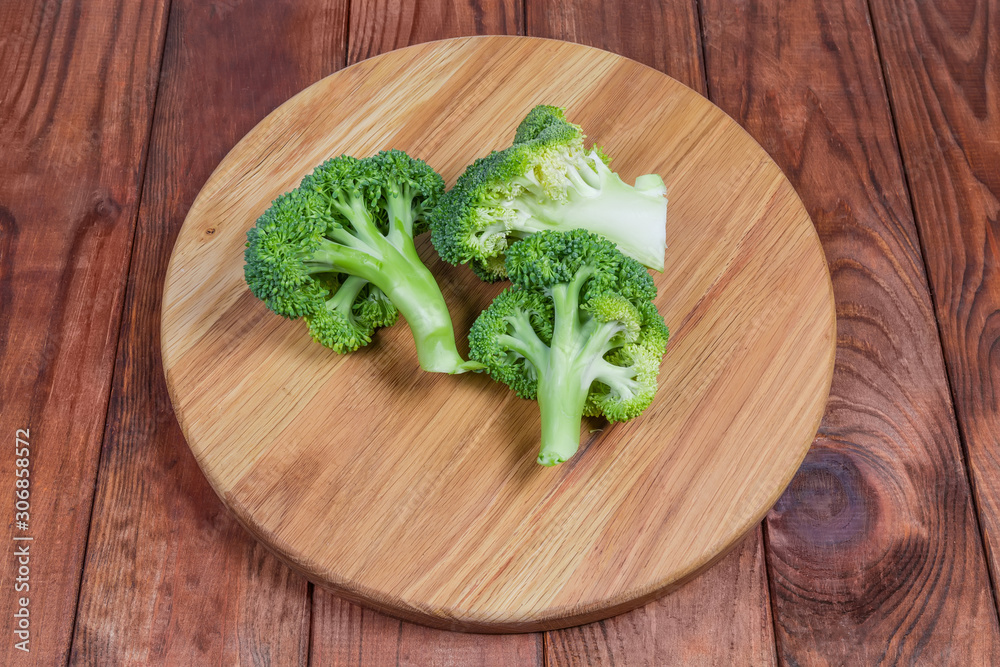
(575,361)
(596,199)
(577,332)
(390,262)
(338,251)
(547,181)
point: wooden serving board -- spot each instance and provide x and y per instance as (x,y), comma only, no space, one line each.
(417,493)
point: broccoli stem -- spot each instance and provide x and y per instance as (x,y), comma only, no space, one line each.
(343,298)
(562,385)
(417,296)
(641,235)
(561,399)
(574,358)
(411,287)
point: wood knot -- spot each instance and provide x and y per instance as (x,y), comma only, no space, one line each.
(105,206)
(209,231)
(829,502)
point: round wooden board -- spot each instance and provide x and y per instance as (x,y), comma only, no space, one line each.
(418,493)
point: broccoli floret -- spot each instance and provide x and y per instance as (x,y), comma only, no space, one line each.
(546,180)
(577,332)
(338,252)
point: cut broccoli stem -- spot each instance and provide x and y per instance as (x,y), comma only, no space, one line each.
(574,361)
(620,379)
(408,284)
(400,212)
(599,210)
(561,398)
(355,212)
(338,258)
(566,371)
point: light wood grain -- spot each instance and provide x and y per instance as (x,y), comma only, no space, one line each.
(342,632)
(418,493)
(723,617)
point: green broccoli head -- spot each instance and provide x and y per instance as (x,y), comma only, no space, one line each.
(577,331)
(386,183)
(350,315)
(548,259)
(548,121)
(338,251)
(546,181)
(500,334)
(291,229)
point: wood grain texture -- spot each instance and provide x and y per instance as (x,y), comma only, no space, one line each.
(343,632)
(686,627)
(874,555)
(76,101)
(170,578)
(348,634)
(663,34)
(378,26)
(943,68)
(419,492)
(723,617)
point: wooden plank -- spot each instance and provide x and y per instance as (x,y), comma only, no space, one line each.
(344,632)
(874,554)
(170,578)
(79,81)
(663,34)
(348,634)
(721,617)
(729,603)
(942,65)
(378,26)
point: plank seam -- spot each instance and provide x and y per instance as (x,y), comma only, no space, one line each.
(143,163)
(347,34)
(959,427)
(310,601)
(702,53)
(772,594)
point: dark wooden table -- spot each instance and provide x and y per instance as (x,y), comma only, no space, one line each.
(885,115)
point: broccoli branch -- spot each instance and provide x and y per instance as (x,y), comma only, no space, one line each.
(354,220)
